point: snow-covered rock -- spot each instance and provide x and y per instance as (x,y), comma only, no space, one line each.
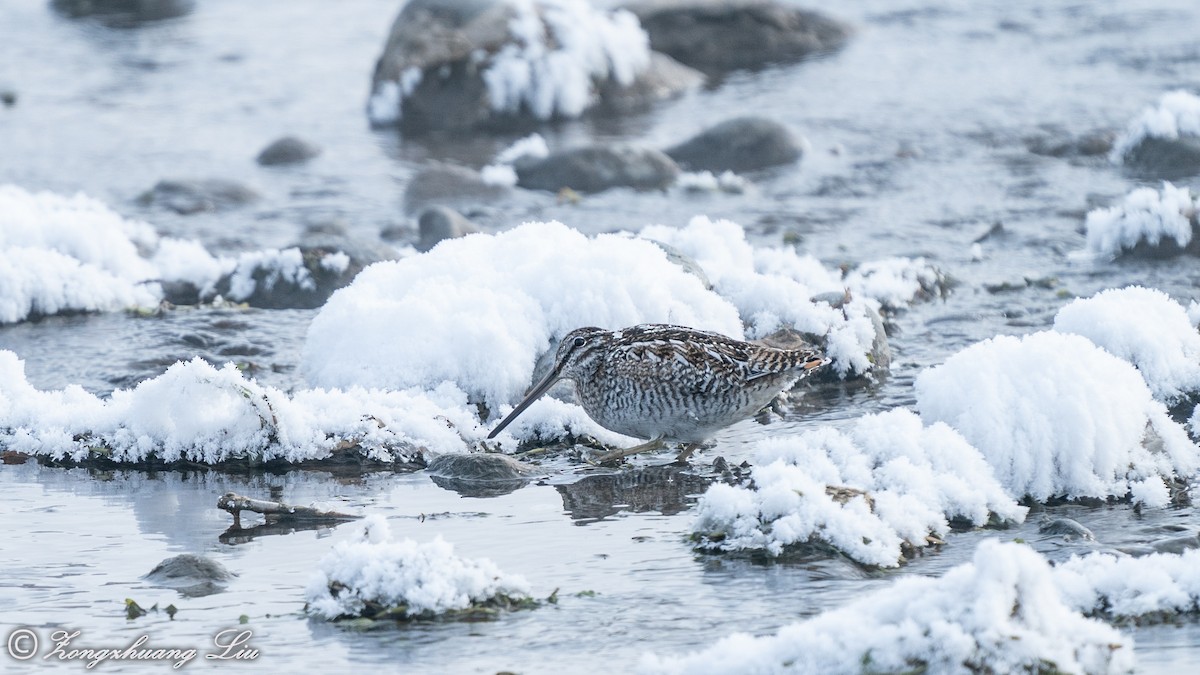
(887,483)
(1164,140)
(373,576)
(1148,222)
(1057,416)
(1103,584)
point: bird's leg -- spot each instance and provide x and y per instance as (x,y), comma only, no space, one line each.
(615,455)
(686,453)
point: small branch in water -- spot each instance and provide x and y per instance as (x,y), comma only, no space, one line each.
(278,512)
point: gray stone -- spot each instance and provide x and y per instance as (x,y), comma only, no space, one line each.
(438,223)
(450,185)
(188,196)
(8,97)
(740,144)
(450,43)
(595,169)
(288,150)
(723,35)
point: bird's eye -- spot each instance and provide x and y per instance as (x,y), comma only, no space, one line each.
(579,341)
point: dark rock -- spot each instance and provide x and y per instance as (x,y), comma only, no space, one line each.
(124,12)
(740,144)
(288,150)
(8,97)
(479,474)
(723,35)
(449,44)
(439,223)
(1164,158)
(191,575)
(450,185)
(595,169)
(193,196)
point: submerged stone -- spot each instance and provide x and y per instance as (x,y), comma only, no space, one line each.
(191,575)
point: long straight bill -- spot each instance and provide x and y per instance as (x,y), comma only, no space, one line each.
(532,396)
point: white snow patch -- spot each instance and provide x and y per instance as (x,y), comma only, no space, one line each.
(1055,415)
(1123,586)
(1145,214)
(336,262)
(272,266)
(559,50)
(428,579)
(907,480)
(384,107)
(499,174)
(1177,114)
(1145,327)
(1001,613)
(705,181)
(895,282)
(533,146)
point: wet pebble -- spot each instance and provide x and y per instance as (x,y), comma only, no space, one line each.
(740,144)
(8,97)
(595,169)
(288,150)
(438,223)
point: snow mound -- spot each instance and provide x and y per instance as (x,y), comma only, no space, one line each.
(1124,587)
(1177,114)
(195,412)
(1001,613)
(1146,328)
(1145,215)
(371,574)
(889,482)
(559,50)
(1055,415)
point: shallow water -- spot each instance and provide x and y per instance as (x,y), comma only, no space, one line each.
(917,132)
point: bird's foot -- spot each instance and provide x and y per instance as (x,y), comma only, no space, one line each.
(684,455)
(615,456)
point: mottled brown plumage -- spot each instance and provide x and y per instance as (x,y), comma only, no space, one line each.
(670,383)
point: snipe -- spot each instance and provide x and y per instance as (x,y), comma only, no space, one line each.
(669,383)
